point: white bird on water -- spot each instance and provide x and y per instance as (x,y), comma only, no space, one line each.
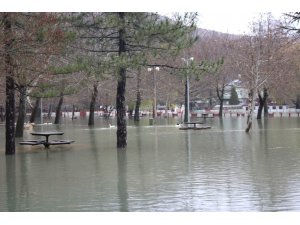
(28,126)
(178,125)
(112,126)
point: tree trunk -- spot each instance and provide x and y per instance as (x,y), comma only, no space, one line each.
(130,112)
(266,95)
(35,110)
(1,114)
(73,112)
(220,94)
(120,101)
(22,112)
(49,111)
(250,111)
(58,109)
(10,88)
(210,100)
(121,111)
(263,104)
(186,102)
(298,102)
(137,104)
(260,107)
(221,108)
(137,107)
(92,105)
(138,97)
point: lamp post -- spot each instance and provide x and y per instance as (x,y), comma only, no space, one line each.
(187,92)
(152,69)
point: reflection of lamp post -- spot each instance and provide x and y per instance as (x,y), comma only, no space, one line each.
(187,92)
(154,89)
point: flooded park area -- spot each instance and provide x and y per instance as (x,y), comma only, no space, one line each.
(162,169)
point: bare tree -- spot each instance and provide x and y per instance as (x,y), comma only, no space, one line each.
(219,47)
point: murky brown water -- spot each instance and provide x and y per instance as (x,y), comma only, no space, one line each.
(163,169)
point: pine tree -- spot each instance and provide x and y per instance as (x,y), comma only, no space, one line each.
(234,98)
(123,41)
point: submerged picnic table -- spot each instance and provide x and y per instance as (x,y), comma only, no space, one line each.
(205,115)
(187,127)
(194,123)
(46,142)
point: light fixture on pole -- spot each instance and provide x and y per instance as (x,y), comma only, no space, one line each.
(154,88)
(187,91)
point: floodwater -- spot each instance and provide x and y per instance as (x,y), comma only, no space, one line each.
(162,169)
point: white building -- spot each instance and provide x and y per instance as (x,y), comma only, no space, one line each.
(241,92)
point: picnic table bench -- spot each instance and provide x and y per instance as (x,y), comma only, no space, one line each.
(46,142)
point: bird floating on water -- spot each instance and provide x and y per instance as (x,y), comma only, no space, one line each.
(178,125)
(28,126)
(112,126)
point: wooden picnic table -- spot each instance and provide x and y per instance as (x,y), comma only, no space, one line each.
(46,142)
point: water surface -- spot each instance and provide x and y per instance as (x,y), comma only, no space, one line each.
(162,169)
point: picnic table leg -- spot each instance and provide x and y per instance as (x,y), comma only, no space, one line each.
(46,144)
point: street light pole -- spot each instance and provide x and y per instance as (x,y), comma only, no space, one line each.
(154,89)
(187,92)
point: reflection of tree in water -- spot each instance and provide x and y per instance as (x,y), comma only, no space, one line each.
(24,188)
(94,149)
(140,154)
(221,123)
(11,183)
(188,149)
(122,180)
(269,169)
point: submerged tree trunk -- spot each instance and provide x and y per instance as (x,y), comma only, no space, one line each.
(73,112)
(120,101)
(35,110)
(58,109)
(262,104)
(121,111)
(92,105)
(210,100)
(49,111)
(221,108)
(10,88)
(22,112)
(138,97)
(220,94)
(1,114)
(137,107)
(250,111)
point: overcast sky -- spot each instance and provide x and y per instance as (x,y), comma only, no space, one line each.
(232,22)
(231,16)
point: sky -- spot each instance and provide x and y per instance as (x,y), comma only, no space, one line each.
(231,16)
(234,23)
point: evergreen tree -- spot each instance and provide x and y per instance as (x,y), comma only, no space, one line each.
(234,99)
(123,41)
